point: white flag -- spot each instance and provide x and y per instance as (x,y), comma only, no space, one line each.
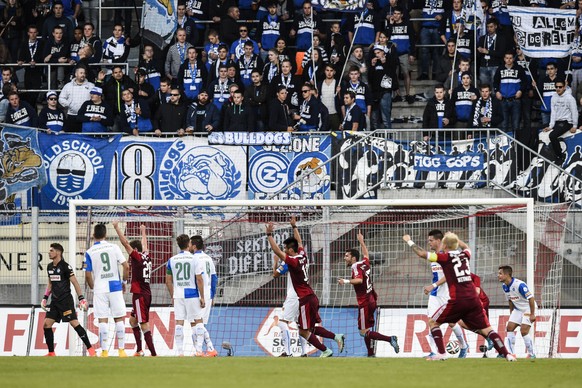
(544,32)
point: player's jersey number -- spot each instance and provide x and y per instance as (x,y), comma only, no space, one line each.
(368,281)
(460,272)
(183,271)
(147,271)
(105,261)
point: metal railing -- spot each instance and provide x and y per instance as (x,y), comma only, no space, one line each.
(49,70)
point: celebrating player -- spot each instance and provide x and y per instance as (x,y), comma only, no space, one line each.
(365,295)
(438,294)
(141,299)
(184,289)
(520,298)
(210,282)
(294,256)
(484,301)
(102,275)
(464,302)
(290,311)
(62,307)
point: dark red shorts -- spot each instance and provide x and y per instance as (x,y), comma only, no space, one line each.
(141,307)
(366,313)
(470,311)
(308,312)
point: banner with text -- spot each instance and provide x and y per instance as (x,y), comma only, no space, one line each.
(544,32)
(272,168)
(258,337)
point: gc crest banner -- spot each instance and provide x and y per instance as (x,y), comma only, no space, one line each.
(544,32)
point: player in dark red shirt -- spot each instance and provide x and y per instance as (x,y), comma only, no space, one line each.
(295,258)
(464,302)
(141,299)
(484,301)
(365,295)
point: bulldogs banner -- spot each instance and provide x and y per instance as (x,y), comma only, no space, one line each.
(544,32)
(20,162)
(178,168)
(272,168)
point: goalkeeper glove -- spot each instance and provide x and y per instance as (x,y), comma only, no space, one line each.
(43,303)
(83,304)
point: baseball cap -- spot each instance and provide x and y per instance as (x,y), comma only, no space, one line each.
(97,90)
(50,93)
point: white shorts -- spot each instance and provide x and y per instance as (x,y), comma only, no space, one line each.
(206,311)
(110,304)
(290,311)
(519,318)
(185,309)
(434,302)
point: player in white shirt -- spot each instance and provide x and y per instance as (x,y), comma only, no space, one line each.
(290,310)
(438,295)
(522,309)
(101,267)
(183,280)
(210,281)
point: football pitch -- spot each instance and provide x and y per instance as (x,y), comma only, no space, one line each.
(255,372)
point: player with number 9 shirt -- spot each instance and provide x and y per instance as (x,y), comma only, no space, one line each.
(101,266)
(294,256)
(141,298)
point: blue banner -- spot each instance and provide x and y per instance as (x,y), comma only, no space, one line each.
(78,167)
(21,166)
(159,21)
(465,162)
(272,168)
(178,168)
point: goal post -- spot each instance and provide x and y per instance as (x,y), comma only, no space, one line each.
(498,230)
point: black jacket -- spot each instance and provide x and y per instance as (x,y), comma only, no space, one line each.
(238,118)
(279,117)
(170,118)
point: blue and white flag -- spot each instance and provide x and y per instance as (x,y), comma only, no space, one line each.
(159,20)
(21,166)
(340,5)
(544,32)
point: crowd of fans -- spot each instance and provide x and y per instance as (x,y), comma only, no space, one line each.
(252,65)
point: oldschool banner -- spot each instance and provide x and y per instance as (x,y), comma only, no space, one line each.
(544,32)
(20,162)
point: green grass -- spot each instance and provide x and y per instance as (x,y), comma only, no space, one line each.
(255,372)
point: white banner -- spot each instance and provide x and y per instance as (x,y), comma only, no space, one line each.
(410,325)
(544,32)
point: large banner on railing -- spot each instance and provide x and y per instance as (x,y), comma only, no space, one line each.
(20,162)
(129,167)
(273,168)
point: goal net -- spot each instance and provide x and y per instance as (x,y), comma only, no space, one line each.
(248,298)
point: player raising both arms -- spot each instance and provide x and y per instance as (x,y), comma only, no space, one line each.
(464,302)
(141,298)
(294,256)
(183,287)
(210,282)
(62,307)
(521,300)
(365,295)
(290,310)
(102,262)
(438,295)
